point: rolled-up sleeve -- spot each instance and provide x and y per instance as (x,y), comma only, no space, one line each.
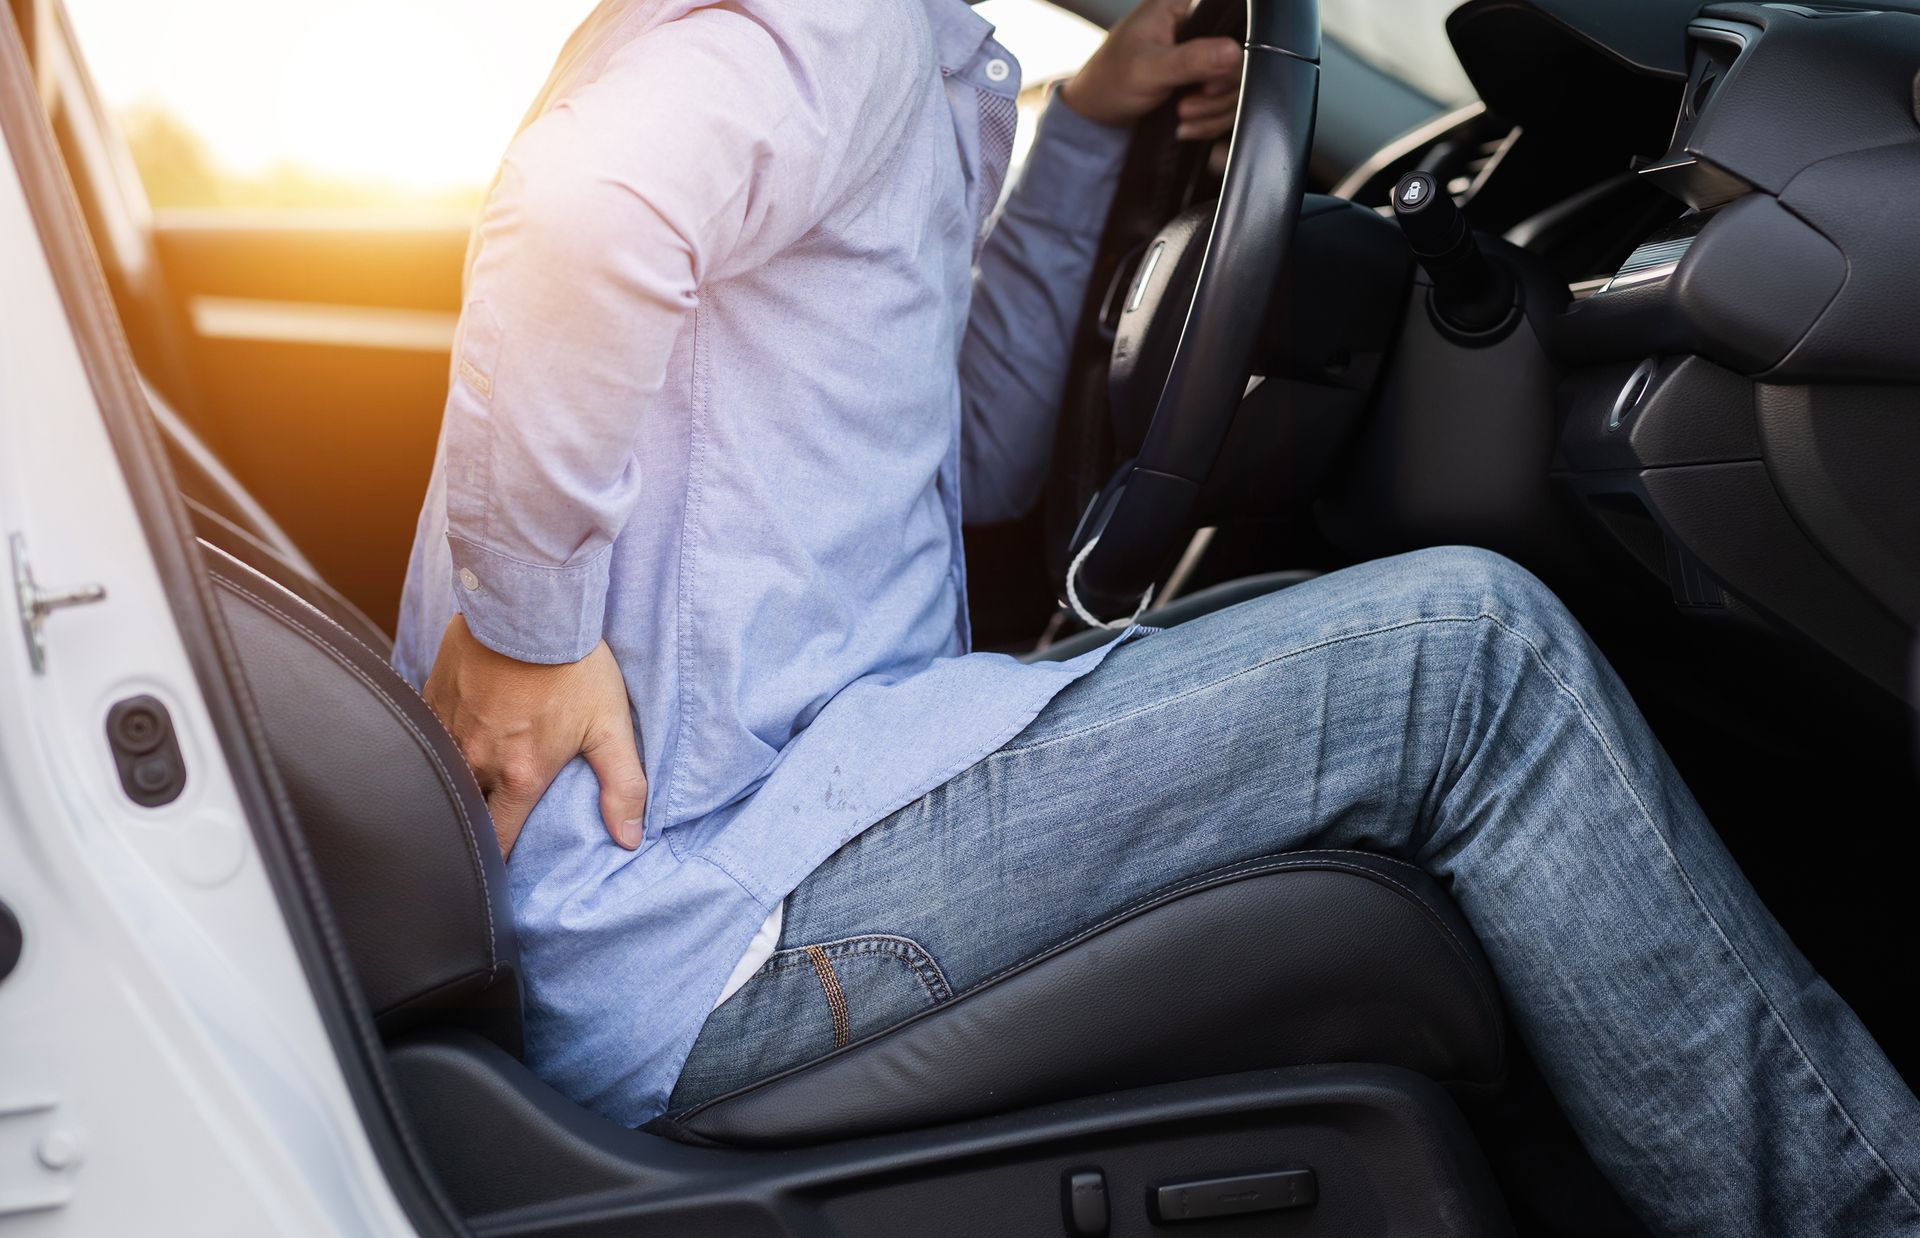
(1031,281)
(611,209)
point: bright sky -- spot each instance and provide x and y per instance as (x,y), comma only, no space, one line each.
(416,93)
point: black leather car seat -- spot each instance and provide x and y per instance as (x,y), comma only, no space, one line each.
(1311,958)
(390,812)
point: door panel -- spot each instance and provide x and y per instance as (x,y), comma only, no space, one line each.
(320,343)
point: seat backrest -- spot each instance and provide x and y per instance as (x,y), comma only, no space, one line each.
(394,820)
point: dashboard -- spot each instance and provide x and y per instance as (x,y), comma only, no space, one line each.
(1729,193)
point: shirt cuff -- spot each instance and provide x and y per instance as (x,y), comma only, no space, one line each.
(1071,170)
(529,613)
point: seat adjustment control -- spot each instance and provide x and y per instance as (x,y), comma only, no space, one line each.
(1087,1212)
(1221,1197)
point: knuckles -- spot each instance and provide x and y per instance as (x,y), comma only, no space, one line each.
(519,774)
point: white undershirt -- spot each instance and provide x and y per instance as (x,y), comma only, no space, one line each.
(759,950)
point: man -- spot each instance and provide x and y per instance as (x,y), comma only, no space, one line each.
(725,384)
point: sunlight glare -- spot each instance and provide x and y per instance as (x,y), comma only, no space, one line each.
(411,95)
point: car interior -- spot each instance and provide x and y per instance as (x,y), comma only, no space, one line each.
(1639,318)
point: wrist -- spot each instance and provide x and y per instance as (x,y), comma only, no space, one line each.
(1083,101)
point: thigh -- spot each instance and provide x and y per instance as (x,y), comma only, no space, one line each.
(1313,717)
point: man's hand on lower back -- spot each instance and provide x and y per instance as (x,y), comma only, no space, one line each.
(518,724)
(1141,65)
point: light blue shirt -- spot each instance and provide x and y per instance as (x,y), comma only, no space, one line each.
(718,398)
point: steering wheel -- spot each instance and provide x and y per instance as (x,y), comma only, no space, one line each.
(1187,317)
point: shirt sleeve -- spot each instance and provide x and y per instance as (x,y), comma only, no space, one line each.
(610,210)
(1028,289)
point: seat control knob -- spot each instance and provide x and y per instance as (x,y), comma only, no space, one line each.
(1471,294)
(1087,1210)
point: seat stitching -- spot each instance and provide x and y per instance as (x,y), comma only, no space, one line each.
(280,826)
(473,854)
(433,990)
(322,615)
(1294,860)
(1371,855)
(1219,877)
(446,779)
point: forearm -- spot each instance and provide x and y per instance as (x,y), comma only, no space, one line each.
(560,351)
(587,266)
(1028,290)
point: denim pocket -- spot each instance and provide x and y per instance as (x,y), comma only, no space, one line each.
(805,1003)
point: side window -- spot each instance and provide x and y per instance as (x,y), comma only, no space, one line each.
(273,104)
(1050,43)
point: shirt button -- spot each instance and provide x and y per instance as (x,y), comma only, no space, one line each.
(468,580)
(998,70)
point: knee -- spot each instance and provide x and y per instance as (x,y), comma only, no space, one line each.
(1470,580)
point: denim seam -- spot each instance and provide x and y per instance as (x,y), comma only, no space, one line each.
(1432,795)
(1646,817)
(836,996)
(1329,642)
(473,854)
(1224,876)
(924,967)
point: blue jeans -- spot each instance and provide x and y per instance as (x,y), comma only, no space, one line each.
(1444,708)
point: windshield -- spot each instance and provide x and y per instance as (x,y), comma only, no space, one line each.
(1406,38)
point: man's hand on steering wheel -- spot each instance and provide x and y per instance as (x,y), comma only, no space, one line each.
(1142,63)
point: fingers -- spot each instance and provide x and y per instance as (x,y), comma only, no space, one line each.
(1199,60)
(1198,106)
(1169,11)
(615,757)
(511,794)
(1203,116)
(1207,113)
(1204,130)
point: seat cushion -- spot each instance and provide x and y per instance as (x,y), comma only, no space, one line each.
(1312,957)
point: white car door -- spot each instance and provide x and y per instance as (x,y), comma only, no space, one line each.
(164,1065)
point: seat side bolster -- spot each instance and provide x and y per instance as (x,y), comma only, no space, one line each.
(388,808)
(1299,959)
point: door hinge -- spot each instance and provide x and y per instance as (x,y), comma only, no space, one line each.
(37,603)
